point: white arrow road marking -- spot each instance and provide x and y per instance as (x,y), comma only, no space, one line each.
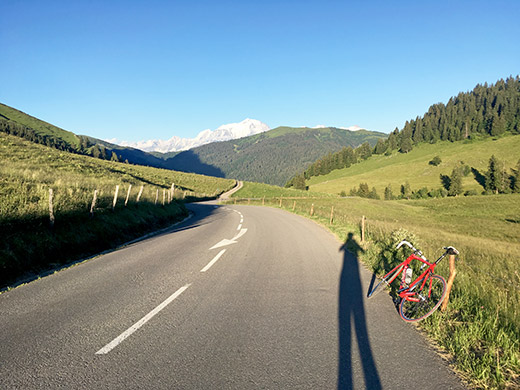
(213,261)
(242,232)
(222,243)
(225,241)
(118,340)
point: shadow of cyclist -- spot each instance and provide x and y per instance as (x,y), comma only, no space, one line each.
(351,314)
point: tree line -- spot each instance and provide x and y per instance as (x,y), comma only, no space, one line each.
(85,147)
(496,180)
(487,110)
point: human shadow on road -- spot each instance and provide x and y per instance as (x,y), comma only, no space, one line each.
(351,314)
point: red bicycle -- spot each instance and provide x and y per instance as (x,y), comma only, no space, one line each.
(420,298)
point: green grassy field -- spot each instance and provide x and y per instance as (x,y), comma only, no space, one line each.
(29,170)
(259,190)
(380,170)
(480,331)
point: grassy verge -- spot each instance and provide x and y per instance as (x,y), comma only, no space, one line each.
(480,331)
(31,248)
(144,203)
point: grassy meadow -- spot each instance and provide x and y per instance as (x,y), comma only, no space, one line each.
(480,331)
(29,170)
(380,171)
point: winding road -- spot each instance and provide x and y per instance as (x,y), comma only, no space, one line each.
(236,297)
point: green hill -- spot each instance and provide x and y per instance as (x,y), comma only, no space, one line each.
(272,157)
(31,242)
(396,169)
(34,129)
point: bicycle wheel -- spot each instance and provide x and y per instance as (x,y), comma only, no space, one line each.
(411,311)
(378,288)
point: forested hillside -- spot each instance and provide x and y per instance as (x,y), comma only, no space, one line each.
(487,110)
(271,157)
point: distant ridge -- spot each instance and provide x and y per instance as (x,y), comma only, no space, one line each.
(271,157)
(223,133)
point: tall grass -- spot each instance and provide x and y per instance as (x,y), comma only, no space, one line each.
(28,171)
(480,331)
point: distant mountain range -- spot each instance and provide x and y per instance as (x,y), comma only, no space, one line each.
(271,157)
(224,133)
(268,156)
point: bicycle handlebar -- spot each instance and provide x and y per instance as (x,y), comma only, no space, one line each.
(404,242)
(450,250)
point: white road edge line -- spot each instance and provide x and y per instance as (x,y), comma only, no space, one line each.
(239,227)
(213,261)
(118,340)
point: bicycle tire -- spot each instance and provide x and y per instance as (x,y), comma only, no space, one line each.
(378,288)
(416,311)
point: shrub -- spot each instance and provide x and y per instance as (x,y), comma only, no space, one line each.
(435,161)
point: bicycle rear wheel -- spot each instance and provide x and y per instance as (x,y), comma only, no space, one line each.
(411,311)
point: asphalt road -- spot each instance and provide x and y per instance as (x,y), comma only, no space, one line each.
(278,305)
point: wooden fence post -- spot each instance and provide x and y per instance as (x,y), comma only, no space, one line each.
(263,201)
(128,194)
(51,207)
(332,215)
(156,196)
(312,209)
(163,196)
(115,197)
(293,205)
(363,228)
(281,202)
(248,200)
(173,190)
(235,200)
(93,205)
(449,285)
(140,193)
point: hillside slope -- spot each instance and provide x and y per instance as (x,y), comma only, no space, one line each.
(396,169)
(271,157)
(79,226)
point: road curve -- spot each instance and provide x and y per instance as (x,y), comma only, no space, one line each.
(237,297)
(227,195)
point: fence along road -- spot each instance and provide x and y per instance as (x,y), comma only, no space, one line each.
(278,303)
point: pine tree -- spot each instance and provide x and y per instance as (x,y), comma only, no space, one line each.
(406,145)
(373,194)
(388,193)
(495,176)
(406,191)
(364,151)
(114,157)
(455,182)
(380,147)
(299,182)
(363,191)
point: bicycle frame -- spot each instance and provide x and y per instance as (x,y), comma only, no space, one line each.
(406,291)
(418,299)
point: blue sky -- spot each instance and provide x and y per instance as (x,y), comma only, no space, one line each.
(137,70)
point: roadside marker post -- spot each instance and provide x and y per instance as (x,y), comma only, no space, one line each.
(449,284)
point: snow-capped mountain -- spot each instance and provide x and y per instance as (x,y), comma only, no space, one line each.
(224,133)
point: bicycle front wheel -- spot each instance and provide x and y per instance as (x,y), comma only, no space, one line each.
(429,300)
